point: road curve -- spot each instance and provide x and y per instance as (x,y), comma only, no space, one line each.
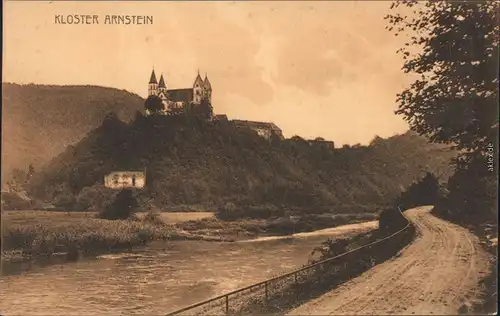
(436,274)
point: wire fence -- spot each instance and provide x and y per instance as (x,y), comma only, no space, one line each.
(276,294)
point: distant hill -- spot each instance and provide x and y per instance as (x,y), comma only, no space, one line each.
(39,121)
(191,162)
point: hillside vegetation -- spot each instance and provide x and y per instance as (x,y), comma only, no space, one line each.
(216,165)
(40,121)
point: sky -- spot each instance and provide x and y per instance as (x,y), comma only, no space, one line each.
(316,69)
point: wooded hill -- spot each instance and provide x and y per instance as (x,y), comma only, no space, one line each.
(40,121)
(193,162)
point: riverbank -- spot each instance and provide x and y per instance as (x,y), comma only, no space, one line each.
(34,234)
(163,275)
(30,235)
(254,228)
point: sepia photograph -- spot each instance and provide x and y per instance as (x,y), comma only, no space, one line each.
(249,157)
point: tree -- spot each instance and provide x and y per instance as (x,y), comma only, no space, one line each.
(188,108)
(204,109)
(424,192)
(453,48)
(138,116)
(111,117)
(19,179)
(391,220)
(111,122)
(95,198)
(331,248)
(66,201)
(376,141)
(63,197)
(472,188)
(154,104)
(297,138)
(123,206)
(429,189)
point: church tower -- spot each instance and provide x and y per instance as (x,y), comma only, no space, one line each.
(197,89)
(162,92)
(153,84)
(207,89)
(162,87)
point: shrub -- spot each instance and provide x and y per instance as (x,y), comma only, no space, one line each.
(153,104)
(424,192)
(231,212)
(282,226)
(228,211)
(391,220)
(95,198)
(331,248)
(123,206)
(66,201)
(12,201)
(153,218)
(264,212)
(471,194)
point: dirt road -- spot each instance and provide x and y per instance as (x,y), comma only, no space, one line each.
(436,274)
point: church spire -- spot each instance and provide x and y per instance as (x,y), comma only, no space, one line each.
(206,83)
(162,82)
(198,81)
(153,77)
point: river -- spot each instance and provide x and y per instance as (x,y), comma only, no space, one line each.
(158,279)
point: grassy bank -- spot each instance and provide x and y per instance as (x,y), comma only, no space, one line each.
(38,233)
(249,228)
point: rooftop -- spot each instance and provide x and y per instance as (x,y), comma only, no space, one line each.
(257,124)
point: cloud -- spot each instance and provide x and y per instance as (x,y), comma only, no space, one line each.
(226,51)
(315,68)
(332,67)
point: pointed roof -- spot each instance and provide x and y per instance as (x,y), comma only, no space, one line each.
(198,79)
(206,82)
(162,82)
(153,77)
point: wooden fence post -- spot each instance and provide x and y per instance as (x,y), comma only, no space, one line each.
(297,290)
(227,304)
(267,297)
